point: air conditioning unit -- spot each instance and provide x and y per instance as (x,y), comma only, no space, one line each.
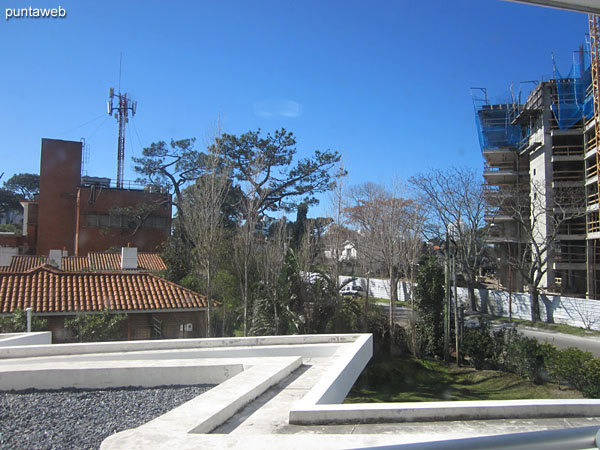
(189,327)
(95,181)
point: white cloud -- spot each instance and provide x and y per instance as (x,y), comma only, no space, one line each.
(277,108)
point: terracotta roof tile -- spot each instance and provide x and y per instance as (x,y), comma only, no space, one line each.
(75,264)
(22,263)
(97,262)
(46,289)
(150,262)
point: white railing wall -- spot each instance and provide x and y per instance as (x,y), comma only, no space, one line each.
(380,288)
(578,312)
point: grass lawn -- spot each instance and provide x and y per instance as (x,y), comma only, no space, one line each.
(408,380)
(374,300)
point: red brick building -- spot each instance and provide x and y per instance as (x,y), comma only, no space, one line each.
(84,214)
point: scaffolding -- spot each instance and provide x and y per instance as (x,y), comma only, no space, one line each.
(554,132)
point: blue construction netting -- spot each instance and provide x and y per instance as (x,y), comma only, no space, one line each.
(573,104)
(494,124)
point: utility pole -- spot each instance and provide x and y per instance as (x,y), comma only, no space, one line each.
(447,302)
(509,293)
(456,318)
(121,111)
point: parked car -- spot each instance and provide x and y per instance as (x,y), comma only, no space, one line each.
(353,290)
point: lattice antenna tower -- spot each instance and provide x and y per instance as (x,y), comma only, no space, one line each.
(120,109)
(85,156)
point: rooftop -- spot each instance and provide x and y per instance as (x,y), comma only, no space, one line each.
(95,261)
(49,290)
(279,392)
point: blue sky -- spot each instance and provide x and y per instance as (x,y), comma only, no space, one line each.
(386,83)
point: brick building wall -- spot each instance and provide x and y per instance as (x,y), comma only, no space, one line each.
(60,174)
(141,326)
(76,218)
(99,230)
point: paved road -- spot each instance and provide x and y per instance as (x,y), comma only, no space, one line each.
(401,315)
(560,340)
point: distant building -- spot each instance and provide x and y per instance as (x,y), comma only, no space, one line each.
(541,156)
(347,252)
(80,215)
(155,307)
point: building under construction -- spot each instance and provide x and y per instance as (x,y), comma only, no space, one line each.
(541,181)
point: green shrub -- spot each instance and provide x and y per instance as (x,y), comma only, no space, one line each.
(429,308)
(525,357)
(591,378)
(568,366)
(17,323)
(512,352)
(479,344)
(104,326)
(550,355)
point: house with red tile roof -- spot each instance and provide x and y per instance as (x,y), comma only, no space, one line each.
(93,262)
(154,306)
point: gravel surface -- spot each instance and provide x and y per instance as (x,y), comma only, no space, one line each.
(82,419)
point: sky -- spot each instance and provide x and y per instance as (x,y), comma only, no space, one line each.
(385,83)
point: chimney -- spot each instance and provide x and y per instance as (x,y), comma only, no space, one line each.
(55,258)
(6,254)
(128,258)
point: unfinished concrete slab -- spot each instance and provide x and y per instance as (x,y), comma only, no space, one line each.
(281,391)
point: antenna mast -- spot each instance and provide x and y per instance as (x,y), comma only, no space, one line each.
(121,111)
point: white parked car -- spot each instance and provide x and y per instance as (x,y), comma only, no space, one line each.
(354,291)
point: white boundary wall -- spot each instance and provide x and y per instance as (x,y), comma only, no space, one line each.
(577,312)
(380,288)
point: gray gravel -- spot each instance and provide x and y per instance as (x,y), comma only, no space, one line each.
(82,419)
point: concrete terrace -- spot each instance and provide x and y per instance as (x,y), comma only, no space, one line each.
(273,392)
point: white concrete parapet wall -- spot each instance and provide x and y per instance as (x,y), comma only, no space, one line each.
(247,368)
(258,346)
(115,374)
(19,339)
(442,411)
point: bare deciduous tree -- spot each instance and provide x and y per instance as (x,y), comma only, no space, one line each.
(456,208)
(411,244)
(540,214)
(271,259)
(203,219)
(380,215)
(337,234)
